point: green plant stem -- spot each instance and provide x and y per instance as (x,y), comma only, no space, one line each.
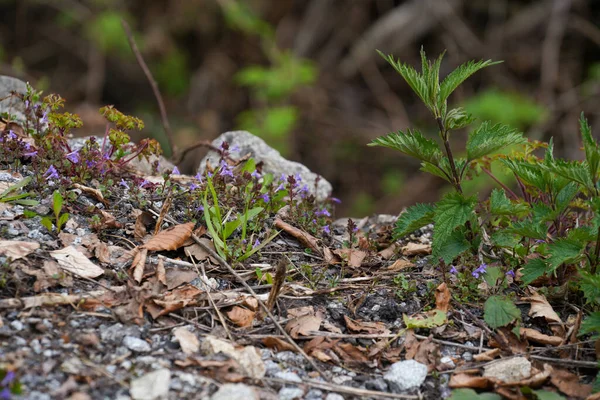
(502,185)
(444,136)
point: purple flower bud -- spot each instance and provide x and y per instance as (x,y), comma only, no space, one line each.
(198,177)
(73,156)
(8,378)
(327,230)
(322,213)
(11,134)
(265,197)
(193,186)
(479,270)
(511,273)
(124,184)
(255,174)
(256,244)
(175,171)
(453,270)
(225,169)
(51,173)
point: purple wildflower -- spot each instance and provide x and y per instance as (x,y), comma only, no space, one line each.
(225,169)
(511,273)
(255,174)
(235,149)
(175,171)
(327,230)
(479,270)
(124,184)
(283,178)
(256,244)
(30,154)
(5,394)
(336,200)
(11,134)
(304,191)
(8,378)
(145,182)
(44,118)
(199,208)
(266,197)
(209,174)
(198,177)
(193,186)
(73,156)
(323,212)
(453,270)
(51,173)
(280,187)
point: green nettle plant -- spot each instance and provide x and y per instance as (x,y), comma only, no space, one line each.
(550,229)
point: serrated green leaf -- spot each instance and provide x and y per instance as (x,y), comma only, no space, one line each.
(448,250)
(458,118)
(415,80)
(530,173)
(470,394)
(505,239)
(459,75)
(501,205)
(528,229)
(499,311)
(576,171)
(451,211)
(492,275)
(564,250)
(565,196)
(548,395)
(590,286)
(439,171)
(413,218)
(591,325)
(592,151)
(411,143)
(488,139)
(534,268)
(431,321)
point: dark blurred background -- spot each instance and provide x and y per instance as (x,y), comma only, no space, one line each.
(304,74)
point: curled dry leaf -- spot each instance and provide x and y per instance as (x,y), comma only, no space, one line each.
(178,298)
(542,309)
(187,340)
(15,249)
(300,311)
(95,193)
(533,335)
(442,297)
(278,344)
(161,274)
(568,383)
(388,252)
(139,261)
(240,316)
(353,257)
(72,260)
(171,238)
(399,265)
(371,328)
(303,326)
(463,380)
(487,355)
(416,249)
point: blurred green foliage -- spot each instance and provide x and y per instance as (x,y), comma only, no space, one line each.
(509,108)
(106,32)
(271,86)
(363,204)
(173,72)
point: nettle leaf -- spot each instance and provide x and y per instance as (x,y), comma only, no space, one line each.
(413,218)
(565,196)
(590,286)
(499,311)
(415,80)
(534,268)
(459,75)
(592,151)
(452,247)
(501,205)
(411,143)
(452,211)
(530,173)
(576,171)
(506,239)
(528,229)
(564,250)
(458,118)
(488,139)
(470,394)
(440,170)
(591,325)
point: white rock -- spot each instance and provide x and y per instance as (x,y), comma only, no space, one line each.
(405,375)
(231,391)
(334,396)
(510,370)
(152,386)
(291,393)
(136,344)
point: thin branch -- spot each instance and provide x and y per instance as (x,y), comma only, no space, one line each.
(153,84)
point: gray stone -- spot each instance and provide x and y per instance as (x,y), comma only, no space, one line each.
(405,375)
(273,163)
(467,356)
(510,370)
(17,325)
(114,334)
(291,393)
(12,105)
(334,396)
(377,384)
(288,376)
(152,386)
(314,394)
(230,391)
(136,344)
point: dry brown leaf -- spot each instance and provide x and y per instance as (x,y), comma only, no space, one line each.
(353,257)
(139,263)
(516,345)
(399,265)
(442,297)
(278,344)
(388,252)
(487,355)
(251,303)
(416,249)
(95,193)
(568,383)
(171,238)
(177,277)
(300,311)
(178,298)
(350,354)
(198,252)
(72,260)
(321,349)
(108,221)
(161,274)
(15,249)
(241,316)
(303,326)
(542,309)
(462,380)
(372,328)
(187,340)
(101,252)
(536,336)
(305,238)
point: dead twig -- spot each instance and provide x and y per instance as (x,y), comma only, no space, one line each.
(153,84)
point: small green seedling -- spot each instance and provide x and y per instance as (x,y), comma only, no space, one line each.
(11,194)
(59,219)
